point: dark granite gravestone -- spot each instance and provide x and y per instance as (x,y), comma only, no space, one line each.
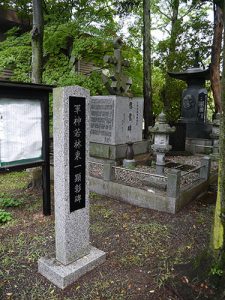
(177,138)
(194,101)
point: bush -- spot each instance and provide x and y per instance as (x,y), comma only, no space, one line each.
(10,202)
(5,216)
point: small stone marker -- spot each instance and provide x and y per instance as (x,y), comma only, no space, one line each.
(74,255)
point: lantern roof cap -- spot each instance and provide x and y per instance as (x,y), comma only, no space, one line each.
(161,126)
(191,73)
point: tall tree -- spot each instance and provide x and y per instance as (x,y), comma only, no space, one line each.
(133,7)
(171,52)
(215,57)
(219,220)
(147,80)
(37,64)
(37,41)
(184,24)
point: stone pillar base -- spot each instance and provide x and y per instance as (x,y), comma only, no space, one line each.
(160,169)
(64,275)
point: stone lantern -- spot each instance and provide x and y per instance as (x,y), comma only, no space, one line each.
(215,136)
(161,146)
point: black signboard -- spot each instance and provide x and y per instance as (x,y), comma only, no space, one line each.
(77,152)
(201,106)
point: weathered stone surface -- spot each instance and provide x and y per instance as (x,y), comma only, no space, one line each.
(150,199)
(118,83)
(116,120)
(156,183)
(173,183)
(62,275)
(71,229)
(116,151)
(74,255)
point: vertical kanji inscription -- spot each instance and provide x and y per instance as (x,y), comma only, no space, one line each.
(201,106)
(77,152)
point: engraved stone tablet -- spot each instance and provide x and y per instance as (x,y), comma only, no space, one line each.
(116,120)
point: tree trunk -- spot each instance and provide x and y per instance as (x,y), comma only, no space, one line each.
(171,54)
(219,220)
(37,41)
(37,60)
(147,88)
(222,140)
(215,57)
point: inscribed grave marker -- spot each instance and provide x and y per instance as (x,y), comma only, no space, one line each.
(116,120)
(74,255)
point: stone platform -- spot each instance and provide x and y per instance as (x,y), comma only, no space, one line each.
(197,145)
(114,152)
(64,275)
(185,179)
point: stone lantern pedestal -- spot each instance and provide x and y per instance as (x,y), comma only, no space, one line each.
(161,146)
(129,162)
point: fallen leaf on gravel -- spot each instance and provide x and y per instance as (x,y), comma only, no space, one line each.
(185,279)
(9,294)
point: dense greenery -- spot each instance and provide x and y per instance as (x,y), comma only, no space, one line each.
(63,46)
(84,29)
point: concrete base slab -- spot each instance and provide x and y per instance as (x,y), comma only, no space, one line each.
(151,199)
(114,152)
(64,275)
(156,183)
(198,145)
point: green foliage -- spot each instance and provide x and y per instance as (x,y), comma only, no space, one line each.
(174,93)
(10,202)
(216,271)
(185,25)
(56,37)
(58,71)
(15,52)
(135,71)
(84,30)
(158,82)
(5,216)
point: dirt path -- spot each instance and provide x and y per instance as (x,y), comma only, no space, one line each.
(143,248)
